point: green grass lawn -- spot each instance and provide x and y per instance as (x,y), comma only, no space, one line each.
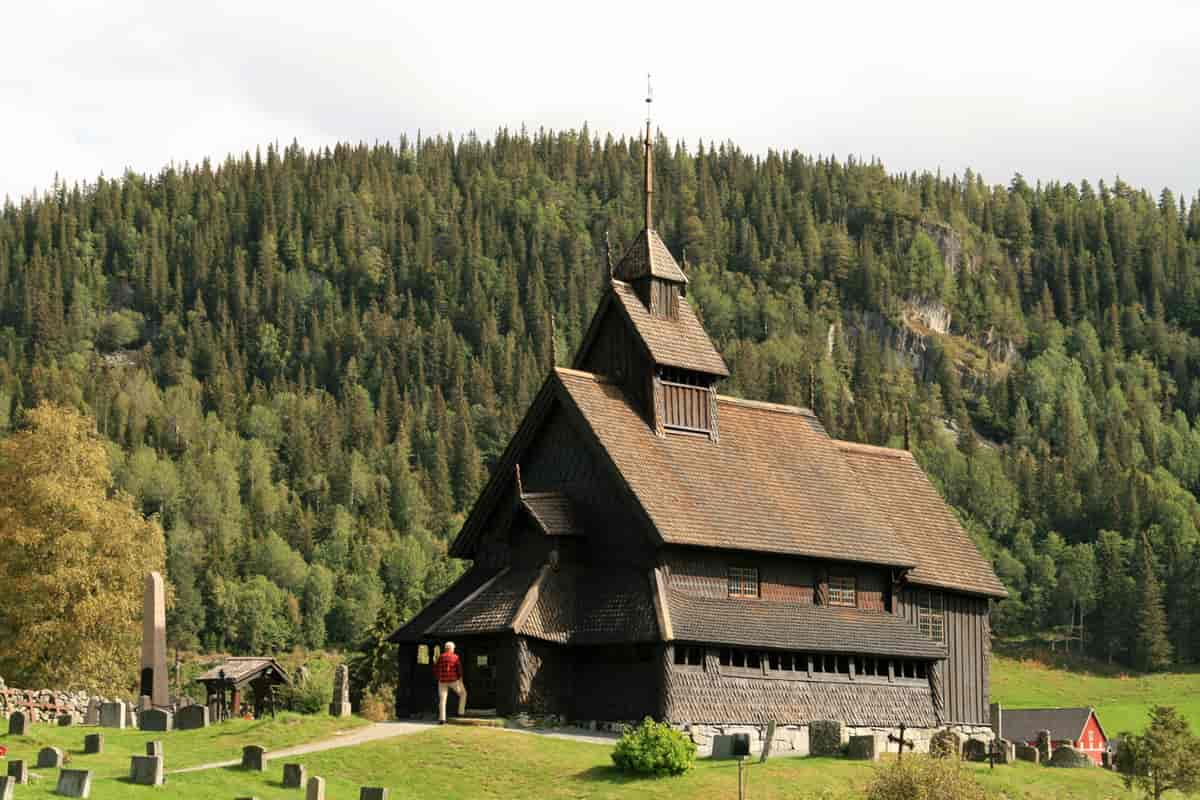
(1122,700)
(460,763)
(181,748)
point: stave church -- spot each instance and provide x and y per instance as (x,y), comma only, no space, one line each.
(649,546)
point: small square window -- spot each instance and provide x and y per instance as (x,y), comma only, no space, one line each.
(481,660)
(743,582)
(842,590)
(931,615)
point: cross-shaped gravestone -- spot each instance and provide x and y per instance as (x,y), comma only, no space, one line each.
(901,742)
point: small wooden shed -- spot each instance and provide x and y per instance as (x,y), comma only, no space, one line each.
(234,675)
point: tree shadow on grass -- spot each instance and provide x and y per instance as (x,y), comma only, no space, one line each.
(612,775)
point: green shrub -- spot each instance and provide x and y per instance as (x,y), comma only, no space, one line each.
(654,748)
(310,697)
(922,778)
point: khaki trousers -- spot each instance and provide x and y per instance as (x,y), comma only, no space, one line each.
(459,690)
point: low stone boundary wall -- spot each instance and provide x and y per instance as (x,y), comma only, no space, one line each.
(43,705)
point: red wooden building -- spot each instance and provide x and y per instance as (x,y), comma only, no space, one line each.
(1078,727)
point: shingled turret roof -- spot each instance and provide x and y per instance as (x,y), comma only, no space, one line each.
(649,256)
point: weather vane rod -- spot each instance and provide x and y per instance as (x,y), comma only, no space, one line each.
(649,166)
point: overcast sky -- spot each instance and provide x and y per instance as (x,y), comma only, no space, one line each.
(1055,90)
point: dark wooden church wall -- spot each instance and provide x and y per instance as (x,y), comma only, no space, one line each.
(710,693)
(544,676)
(969,647)
(560,460)
(617,353)
(781,579)
(615,682)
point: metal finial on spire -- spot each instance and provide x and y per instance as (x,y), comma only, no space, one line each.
(520,486)
(553,343)
(684,265)
(649,160)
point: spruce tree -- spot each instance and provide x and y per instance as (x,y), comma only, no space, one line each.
(1152,648)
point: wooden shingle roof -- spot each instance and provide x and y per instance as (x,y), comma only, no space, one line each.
(649,256)
(553,512)
(415,630)
(774,482)
(581,605)
(944,554)
(678,342)
(241,669)
(796,626)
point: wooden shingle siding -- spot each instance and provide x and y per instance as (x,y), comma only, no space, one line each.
(968,642)
(708,696)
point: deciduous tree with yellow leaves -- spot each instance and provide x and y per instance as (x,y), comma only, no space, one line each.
(74,554)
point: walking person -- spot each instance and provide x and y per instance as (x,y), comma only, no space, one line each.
(448,671)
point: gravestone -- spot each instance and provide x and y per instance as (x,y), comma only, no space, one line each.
(154,748)
(254,757)
(866,748)
(191,718)
(18,771)
(373,793)
(1027,752)
(18,724)
(340,707)
(93,744)
(1045,746)
(316,789)
(294,776)
(154,642)
(768,741)
(6,787)
(946,744)
(50,758)
(131,717)
(1067,756)
(825,737)
(146,770)
(112,715)
(74,783)
(66,720)
(92,715)
(1006,751)
(975,750)
(155,719)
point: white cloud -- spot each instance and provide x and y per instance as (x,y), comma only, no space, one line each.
(1057,91)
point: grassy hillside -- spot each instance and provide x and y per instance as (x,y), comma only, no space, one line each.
(1121,699)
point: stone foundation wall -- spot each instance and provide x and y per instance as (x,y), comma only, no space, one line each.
(793,740)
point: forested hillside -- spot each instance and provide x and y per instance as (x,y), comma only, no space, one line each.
(305,362)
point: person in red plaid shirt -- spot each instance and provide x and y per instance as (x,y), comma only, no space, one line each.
(448,671)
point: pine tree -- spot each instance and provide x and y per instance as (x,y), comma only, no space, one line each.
(1151,648)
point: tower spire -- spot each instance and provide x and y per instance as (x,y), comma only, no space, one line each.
(649,158)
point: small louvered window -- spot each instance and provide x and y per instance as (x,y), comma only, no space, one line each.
(842,590)
(931,615)
(743,582)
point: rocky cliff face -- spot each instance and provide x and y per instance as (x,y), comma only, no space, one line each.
(923,321)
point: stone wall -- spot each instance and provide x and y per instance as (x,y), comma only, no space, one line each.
(43,705)
(793,740)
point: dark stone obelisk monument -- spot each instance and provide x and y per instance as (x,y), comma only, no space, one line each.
(154,682)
